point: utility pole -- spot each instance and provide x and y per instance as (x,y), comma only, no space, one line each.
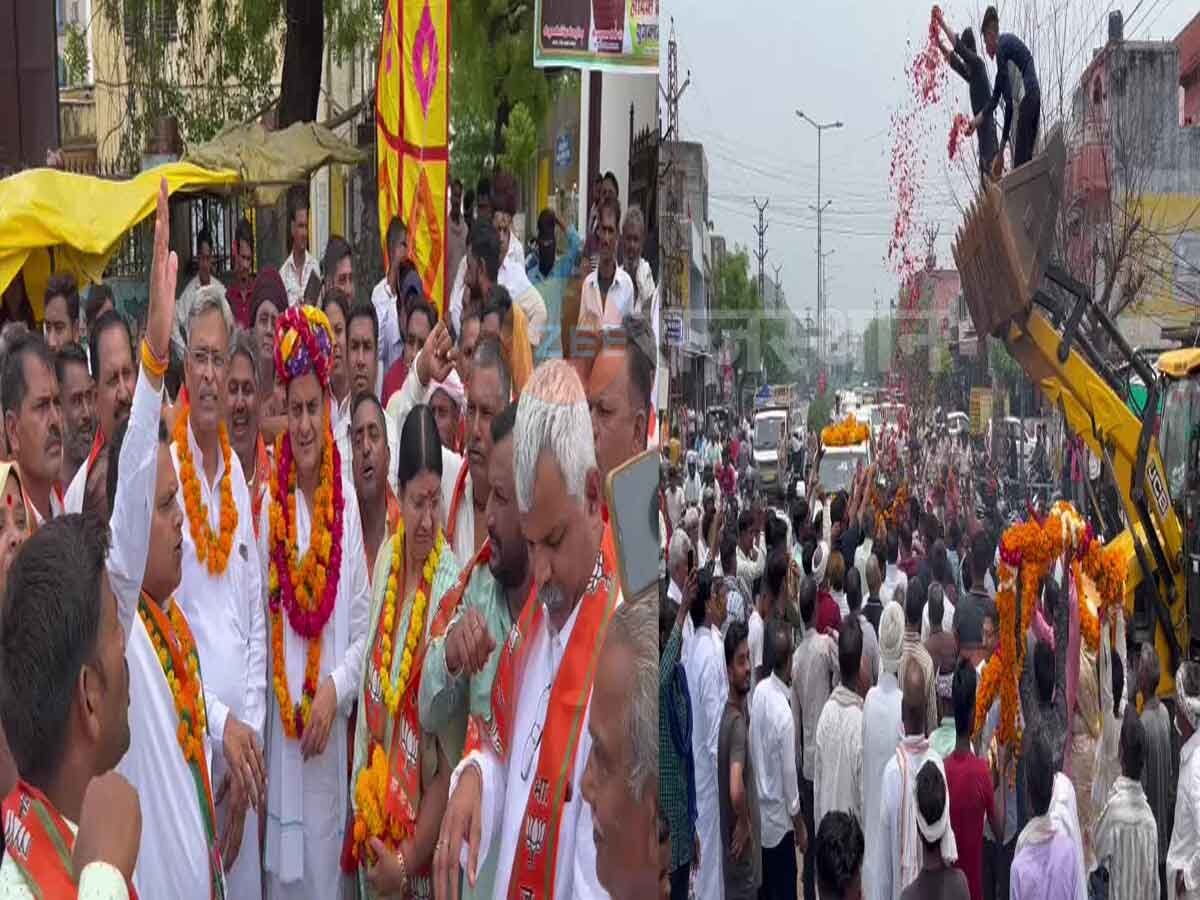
(778,287)
(671,178)
(761,253)
(820,210)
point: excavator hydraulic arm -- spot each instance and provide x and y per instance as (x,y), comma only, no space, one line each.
(1047,321)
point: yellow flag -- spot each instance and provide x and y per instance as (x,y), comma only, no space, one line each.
(412,121)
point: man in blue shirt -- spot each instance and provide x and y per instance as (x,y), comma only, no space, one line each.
(551,275)
(1005,49)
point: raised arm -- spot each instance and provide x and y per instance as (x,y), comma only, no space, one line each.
(133,504)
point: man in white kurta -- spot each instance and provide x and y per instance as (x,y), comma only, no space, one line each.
(307,799)
(502,782)
(837,785)
(708,686)
(1183,855)
(225,610)
(881,732)
(173,860)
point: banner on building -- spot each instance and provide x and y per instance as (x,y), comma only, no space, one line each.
(412,122)
(610,35)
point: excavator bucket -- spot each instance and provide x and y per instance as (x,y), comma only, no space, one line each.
(1004,243)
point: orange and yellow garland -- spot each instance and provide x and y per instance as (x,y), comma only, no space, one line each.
(309,579)
(416,622)
(211,549)
(185,691)
(846,433)
(371,817)
(1030,548)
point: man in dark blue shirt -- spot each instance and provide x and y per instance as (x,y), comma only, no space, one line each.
(1005,49)
(965,60)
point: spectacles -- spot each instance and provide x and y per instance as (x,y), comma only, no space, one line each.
(202,358)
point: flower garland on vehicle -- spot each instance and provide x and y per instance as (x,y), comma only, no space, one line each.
(846,433)
(305,589)
(1029,549)
(212,550)
(416,622)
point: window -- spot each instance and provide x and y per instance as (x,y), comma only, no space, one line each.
(155,22)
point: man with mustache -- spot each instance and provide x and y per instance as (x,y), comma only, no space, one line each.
(174,714)
(242,411)
(618,389)
(33,424)
(111,354)
(78,393)
(377,503)
(501,794)
(221,589)
(60,321)
(362,365)
(460,665)
(464,488)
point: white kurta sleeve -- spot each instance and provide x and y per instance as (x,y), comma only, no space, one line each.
(217,713)
(786,742)
(494,780)
(133,505)
(1183,854)
(255,697)
(410,394)
(348,676)
(102,881)
(457,292)
(534,307)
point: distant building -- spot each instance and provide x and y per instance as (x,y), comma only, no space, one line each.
(1134,143)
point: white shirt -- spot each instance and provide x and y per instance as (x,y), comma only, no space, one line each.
(391,346)
(1126,839)
(750,569)
(307,800)
(881,731)
(861,555)
(708,687)
(675,506)
(893,577)
(512,278)
(98,880)
(294,281)
(458,293)
(692,489)
(506,786)
(228,621)
(173,856)
(1184,851)
(643,282)
(773,751)
(893,870)
(674,594)
(596,311)
(755,640)
(73,498)
(814,672)
(839,760)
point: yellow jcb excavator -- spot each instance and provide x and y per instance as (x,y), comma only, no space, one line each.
(1052,327)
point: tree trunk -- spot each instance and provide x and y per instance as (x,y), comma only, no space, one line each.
(502,110)
(303,59)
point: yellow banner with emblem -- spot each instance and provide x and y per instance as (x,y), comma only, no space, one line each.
(412,121)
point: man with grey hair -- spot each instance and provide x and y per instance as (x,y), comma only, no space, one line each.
(503,797)
(221,587)
(678,554)
(633,238)
(620,783)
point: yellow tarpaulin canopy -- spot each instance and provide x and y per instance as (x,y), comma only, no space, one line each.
(55,222)
(270,161)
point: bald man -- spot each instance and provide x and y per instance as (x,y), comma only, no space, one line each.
(898,865)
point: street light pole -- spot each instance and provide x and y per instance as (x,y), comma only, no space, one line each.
(820,209)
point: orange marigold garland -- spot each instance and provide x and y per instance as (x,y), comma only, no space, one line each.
(846,433)
(371,818)
(392,692)
(211,549)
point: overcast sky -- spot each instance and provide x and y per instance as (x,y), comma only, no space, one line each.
(753,62)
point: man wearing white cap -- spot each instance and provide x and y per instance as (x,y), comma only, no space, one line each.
(938,879)
(881,735)
(899,858)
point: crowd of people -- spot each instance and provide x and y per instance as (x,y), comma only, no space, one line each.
(821,658)
(334,641)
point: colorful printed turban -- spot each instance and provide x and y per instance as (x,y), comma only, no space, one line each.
(303,345)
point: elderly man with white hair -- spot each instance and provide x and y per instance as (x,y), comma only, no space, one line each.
(633,237)
(517,791)
(620,783)
(880,738)
(678,553)
(221,587)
